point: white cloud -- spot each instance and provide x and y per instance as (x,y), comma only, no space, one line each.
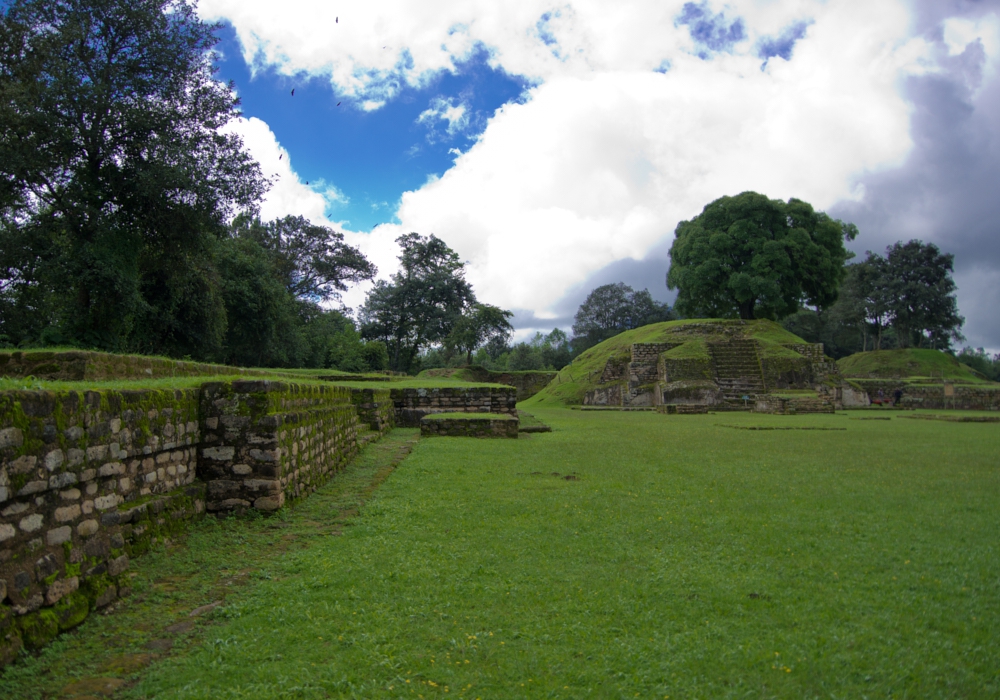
(607,155)
(445,109)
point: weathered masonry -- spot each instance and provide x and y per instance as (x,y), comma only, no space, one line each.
(89,480)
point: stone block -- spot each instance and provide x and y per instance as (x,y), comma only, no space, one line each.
(11,437)
(31,523)
(67,513)
(87,528)
(219,454)
(61,481)
(60,589)
(118,566)
(57,536)
(111,469)
(33,487)
(54,459)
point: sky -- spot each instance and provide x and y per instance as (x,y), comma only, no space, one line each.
(556,144)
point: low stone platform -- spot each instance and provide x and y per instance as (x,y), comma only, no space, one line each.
(681,409)
(486,425)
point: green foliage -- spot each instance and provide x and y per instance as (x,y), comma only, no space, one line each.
(312,262)
(904,299)
(613,308)
(905,363)
(481,324)
(422,302)
(981,361)
(752,257)
(114,174)
(543,352)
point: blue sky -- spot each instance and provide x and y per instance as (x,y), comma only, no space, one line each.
(556,147)
(374,156)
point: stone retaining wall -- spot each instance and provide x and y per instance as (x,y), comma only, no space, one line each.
(267,442)
(968,397)
(502,426)
(80,365)
(375,408)
(413,404)
(73,469)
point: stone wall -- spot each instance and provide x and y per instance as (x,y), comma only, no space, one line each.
(413,404)
(495,426)
(686,369)
(267,442)
(78,365)
(812,351)
(787,372)
(375,408)
(968,397)
(86,481)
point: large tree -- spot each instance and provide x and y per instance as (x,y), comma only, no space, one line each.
(613,308)
(754,257)
(921,294)
(480,325)
(115,173)
(421,303)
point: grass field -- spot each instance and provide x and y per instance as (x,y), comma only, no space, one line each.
(622,555)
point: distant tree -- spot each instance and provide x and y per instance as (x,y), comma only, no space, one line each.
(612,309)
(312,261)
(921,295)
(114,174)
(981,361)
(421,303)
(754,257)
(481,324)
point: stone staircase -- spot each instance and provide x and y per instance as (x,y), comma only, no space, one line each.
(737,369)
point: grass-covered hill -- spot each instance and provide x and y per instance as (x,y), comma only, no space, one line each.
(910,363)
(574,381)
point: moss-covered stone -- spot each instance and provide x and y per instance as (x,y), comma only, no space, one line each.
(38,628)
(71,610)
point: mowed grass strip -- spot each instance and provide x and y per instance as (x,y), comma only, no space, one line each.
(679,559)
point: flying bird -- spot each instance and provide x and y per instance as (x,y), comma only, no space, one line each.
(338,104)
(337,20)
(293,92)
(281,156)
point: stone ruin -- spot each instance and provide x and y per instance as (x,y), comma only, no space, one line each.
(719,366)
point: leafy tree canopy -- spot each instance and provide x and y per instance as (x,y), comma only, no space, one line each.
(482,324)
(754,257)
(312,261)
(613,308)
(421,303)
(114,174)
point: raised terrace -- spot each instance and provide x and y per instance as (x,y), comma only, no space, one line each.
(102,457)
(725,365)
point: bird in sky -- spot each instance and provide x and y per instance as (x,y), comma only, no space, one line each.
(337,20)
(338,104)
(281,156)
(293,92)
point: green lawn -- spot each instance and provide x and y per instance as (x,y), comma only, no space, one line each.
(682,558)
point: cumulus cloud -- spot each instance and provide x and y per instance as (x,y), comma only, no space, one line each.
(606,154)
(444,109)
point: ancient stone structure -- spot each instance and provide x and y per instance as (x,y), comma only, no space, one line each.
(494,425)
(413,404)
(80,365)
(87,480)
(712,364)
(90,479)
(940,395)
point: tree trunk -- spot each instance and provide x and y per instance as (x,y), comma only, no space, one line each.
(746,310)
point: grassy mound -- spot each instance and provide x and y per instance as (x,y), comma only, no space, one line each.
(910,363)
(575,380)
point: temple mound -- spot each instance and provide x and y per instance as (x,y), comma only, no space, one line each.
(722,364)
